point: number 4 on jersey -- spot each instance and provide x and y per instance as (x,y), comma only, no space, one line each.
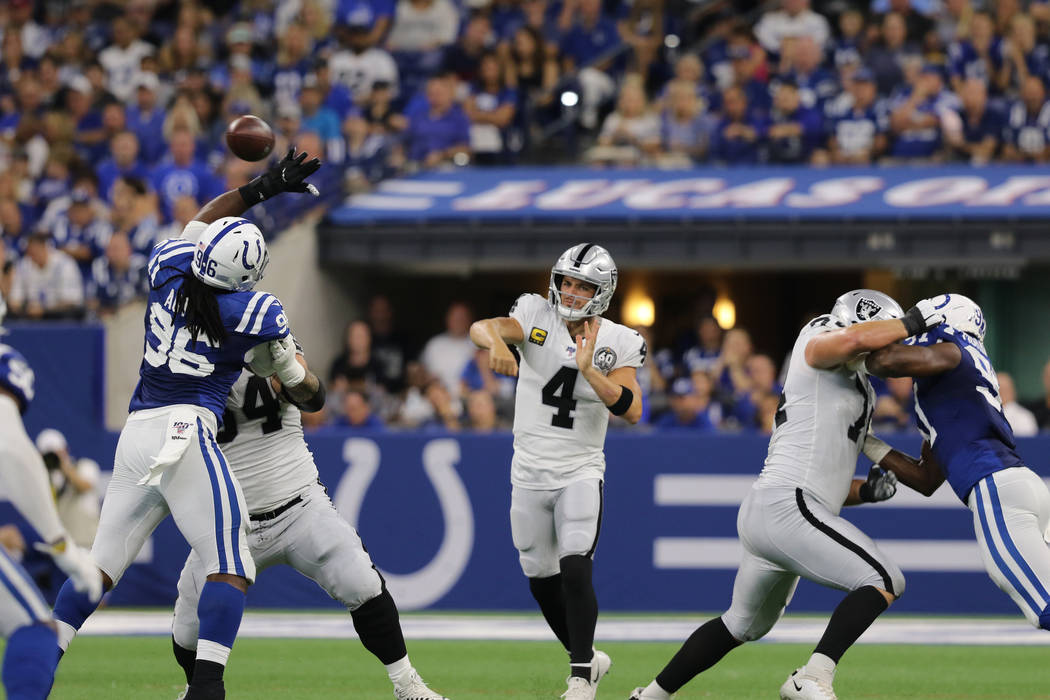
(558,393)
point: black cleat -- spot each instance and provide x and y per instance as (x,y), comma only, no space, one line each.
(214,690)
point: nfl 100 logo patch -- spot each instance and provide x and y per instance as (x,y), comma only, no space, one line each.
(604,358)
(180,428)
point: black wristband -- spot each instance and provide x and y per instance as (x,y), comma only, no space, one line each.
(914,322)
(623,403)
(865,493)
(256,191)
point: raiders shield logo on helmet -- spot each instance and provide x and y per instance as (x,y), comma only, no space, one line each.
(867,309)
(604,358)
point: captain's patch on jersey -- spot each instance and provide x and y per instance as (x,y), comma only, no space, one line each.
(604,358)
(538,336)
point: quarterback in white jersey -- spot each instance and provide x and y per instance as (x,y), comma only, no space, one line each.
(559,436)
(295,523)
(789,523)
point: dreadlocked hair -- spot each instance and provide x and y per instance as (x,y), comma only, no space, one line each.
(197,302)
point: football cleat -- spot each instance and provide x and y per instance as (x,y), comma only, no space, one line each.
(600,664)
(639,694)
(182,695)
(210,691)
(415,689)
(579,689)
(802,686)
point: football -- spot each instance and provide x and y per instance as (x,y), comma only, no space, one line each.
(249,138)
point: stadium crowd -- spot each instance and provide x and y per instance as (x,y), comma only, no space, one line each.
(112,117)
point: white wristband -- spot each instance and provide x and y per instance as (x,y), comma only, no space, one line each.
(875,449)
(292,374)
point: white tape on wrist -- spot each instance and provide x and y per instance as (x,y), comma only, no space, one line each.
(875,449)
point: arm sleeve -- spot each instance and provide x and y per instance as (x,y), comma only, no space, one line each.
(25,479)
(193,230)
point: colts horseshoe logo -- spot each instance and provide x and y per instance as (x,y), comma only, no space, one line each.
(427,585)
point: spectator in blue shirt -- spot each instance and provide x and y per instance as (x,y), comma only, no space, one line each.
(357,412)
(439,131)
(293,63)
(857,126)
(738,138)
(1025,55)
(115,278)
(794,130)
(747,60)
(589,38)
(1027,132)
(816,84)
(689,410)
(886,58)
(375,15)
(89,136)
(491,108)
(980,56)
(915,117)
(183,174)
(335,96)
(684,129)
(81,231)
(977,138)
(146,118)
(134,214)
(123,160)
(703,357)
(315,116)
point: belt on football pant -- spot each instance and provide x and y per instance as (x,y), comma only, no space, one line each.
(271,514)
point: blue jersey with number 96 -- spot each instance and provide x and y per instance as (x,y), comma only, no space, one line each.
(16,376)
(961,414)
(177,370)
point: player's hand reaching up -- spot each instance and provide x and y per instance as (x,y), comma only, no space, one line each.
(585,345)
(501,360)
(924,315)
(287,175)
(880,486)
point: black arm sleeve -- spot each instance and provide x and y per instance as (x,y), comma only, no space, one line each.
(315,402)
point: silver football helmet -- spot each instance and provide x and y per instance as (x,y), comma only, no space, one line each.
(865,305)
(962,314)
(590,263)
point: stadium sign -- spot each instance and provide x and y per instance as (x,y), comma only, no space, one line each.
(994,192)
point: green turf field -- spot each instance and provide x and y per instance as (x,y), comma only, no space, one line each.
(142,667)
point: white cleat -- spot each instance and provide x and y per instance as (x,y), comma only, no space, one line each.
(801,686)
(415,689)
(182,695)
(639,694)
(579,689)
(600,665)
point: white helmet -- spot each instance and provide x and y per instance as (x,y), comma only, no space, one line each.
(590,263)
(962,314)
(865,305)
(231,254)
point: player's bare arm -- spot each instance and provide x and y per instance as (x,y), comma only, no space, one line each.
(914,360)
(620,383)
(308,395)
(287,175)
(923,475)
(493,334)
(836,348)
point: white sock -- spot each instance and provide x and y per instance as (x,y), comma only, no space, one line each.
(208,650)
(822,667)
(653,691)
(399,669)
(66,632)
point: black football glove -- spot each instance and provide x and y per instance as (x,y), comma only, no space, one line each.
(288,175)
(881,485)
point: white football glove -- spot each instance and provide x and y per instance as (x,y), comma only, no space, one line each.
(922,317)
(260,360)
(77,563)
(285,365)
(881,485)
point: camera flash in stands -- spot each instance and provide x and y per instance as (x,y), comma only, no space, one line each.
(672,41)
(724,312)
(570,98)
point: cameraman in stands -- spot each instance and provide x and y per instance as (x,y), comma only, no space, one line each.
(75,482)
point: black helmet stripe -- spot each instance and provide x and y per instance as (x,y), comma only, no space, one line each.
(583,252)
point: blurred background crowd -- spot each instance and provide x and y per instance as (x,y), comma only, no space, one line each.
(112,117)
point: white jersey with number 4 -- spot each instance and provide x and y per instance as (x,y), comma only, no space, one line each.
(821,424)
(262,439)
(559,420)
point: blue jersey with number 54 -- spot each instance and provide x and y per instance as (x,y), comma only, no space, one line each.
(177,370)
(16,376)
(961,414)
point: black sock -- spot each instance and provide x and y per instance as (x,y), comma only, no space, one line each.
(207,672)
(581,610)
(187,658)
(704,648)
(379,627)
(853,615)
(548,593)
